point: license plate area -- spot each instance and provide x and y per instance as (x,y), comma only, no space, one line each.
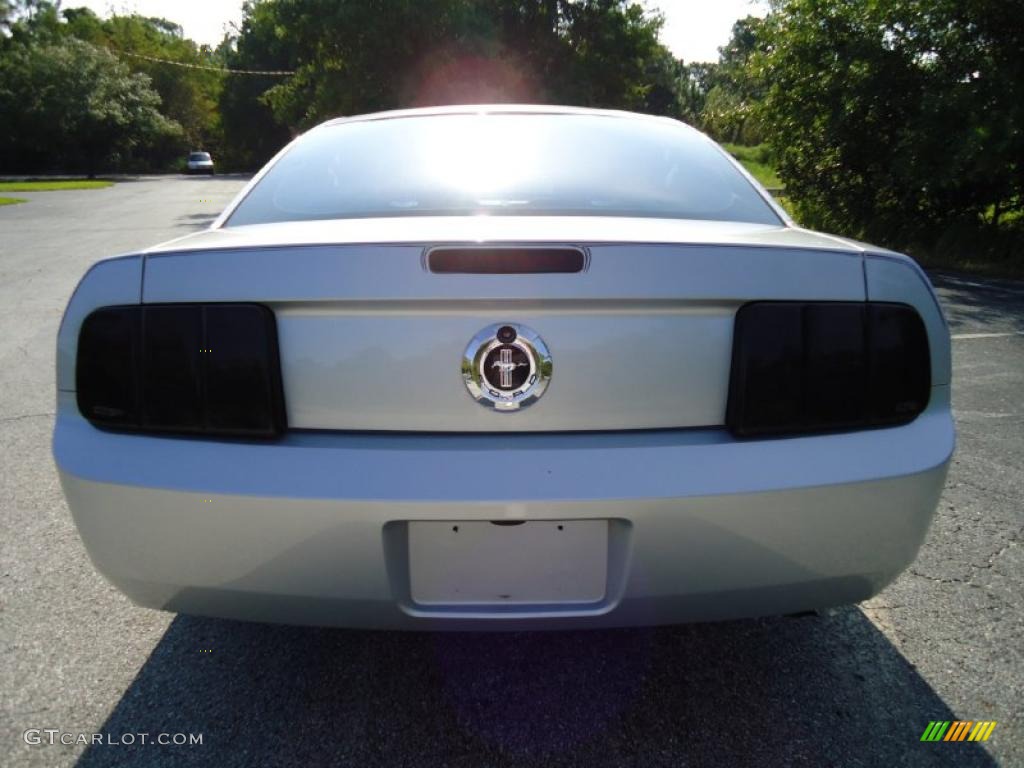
(536,562)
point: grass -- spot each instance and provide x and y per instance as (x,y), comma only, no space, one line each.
(11,200)
(48,186)
(758,161)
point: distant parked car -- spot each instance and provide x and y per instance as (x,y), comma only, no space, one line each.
(200,162)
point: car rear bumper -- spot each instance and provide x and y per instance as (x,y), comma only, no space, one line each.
(314,529)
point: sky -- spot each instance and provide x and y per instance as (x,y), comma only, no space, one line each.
(693,28)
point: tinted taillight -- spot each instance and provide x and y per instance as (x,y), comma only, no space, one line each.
(187,368)
(107,378)
(806,367)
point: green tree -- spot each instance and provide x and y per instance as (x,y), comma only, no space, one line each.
(187,77)
(7,9)
(899,121)
(29,20)
(361,55)
(72,106)
(180,71)
(693,83)
(733,95)
(252,133)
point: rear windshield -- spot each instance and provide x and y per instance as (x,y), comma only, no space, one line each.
(516,164)
(198,156)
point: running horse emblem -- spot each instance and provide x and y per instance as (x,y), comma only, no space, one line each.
(505,366)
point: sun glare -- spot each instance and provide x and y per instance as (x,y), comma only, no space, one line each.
(480,156)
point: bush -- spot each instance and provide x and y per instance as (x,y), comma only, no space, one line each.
(71,106)
(899,122)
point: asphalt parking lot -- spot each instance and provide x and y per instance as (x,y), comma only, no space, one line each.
(854,687)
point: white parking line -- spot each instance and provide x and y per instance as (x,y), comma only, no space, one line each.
(958,336)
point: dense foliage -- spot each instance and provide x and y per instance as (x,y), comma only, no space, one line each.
(899,121)
(355,56)
(80,94)
(362,56)
(76,106)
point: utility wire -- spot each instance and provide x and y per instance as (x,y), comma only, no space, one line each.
(186,65)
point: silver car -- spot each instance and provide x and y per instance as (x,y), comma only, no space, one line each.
(200,162)
(501,368)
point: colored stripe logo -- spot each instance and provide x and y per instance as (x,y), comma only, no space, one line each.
(958,730)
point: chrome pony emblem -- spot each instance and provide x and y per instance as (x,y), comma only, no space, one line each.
(506,367)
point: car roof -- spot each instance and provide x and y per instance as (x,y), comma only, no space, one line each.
(499,109)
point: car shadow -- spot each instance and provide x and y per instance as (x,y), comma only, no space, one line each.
(823,690)
(216,176)
(196,220)
(975,301)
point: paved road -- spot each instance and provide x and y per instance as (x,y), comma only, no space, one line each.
(855,687)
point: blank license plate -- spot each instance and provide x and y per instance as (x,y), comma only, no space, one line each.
(483,563)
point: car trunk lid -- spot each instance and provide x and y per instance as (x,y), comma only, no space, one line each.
(371,338)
